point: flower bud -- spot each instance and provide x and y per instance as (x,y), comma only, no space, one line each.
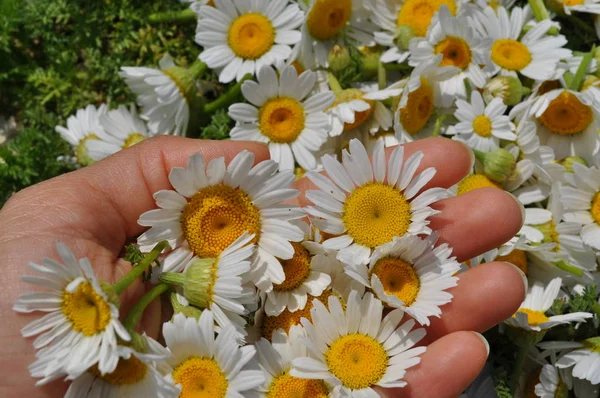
(403,36)
(196,282)
(369,61)
(508,88)
(498,165)
(339,58)
(569,161)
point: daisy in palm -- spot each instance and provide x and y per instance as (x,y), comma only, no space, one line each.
(82,127)
(460,45)
(212,205)
(366,204)
(241,37)
(482,127)
(202,365)
(411,274)
(80,319)
(283,114)
(356,350)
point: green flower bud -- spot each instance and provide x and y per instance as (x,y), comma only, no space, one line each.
(403,36)
(196,282)
(369,61)
(339,58)
(187,310)
(508,88)
(569,161)
(498,165)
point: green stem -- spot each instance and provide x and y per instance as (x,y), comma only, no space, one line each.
(227,98)
(518,369)
(438,125)
(186,15)
(381,76)
(197,69)
(468,88)
(139,269)
(134,316)
(539,10)
(579,77)
(334,84)
(569,268)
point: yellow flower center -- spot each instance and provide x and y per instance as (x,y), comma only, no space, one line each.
(375,213)
(516,257)
(128,371)
(566,115)
(133,139)
(358,361)
(456,52)
(200,378)
(87,311)
(296,269)
(251,36)
(475,181)
(510,54)
(419,107)
(418,13)
(281,119)
(534,318)
(571,3)
(482,126)
(81,151)
(359,117)
(595,209)
(398,279)
(550,233)
(286,386)
(216,216)
(328,17)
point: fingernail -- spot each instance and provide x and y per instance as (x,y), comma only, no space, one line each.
(520,206)
(523,276)
(485,342)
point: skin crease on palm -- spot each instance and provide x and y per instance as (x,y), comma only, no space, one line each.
(95,210)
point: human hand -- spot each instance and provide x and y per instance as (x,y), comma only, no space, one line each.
(95,212)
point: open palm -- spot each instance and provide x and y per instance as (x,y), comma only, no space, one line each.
(95,212)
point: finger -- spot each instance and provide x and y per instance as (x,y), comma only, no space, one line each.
(484,297)
(452,159)
(477,221)
(447,368)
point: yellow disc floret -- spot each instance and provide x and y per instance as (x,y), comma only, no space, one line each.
(286,386)
(328,17)
(375,213)
(482,126)
(550,234)
(251,36)
(567,115)
(200,378)
(296,269)
(357,360)
(475,181)
(418,13)
(456,52)
(216,216)
(88,311)
(128,371)
(534,318)
(81,151)
(516,257)
(132,139)
(281,119)
(359,117)
(595,208)
(398,278)
(510,54)
(419,107)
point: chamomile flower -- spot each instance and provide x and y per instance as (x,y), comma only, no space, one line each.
(460,46)
(535,54)
(81,327)
(421,97)
(550,385)
(409,273)
(135,375)
(213,205)
(202,365)
(583,358)
(164,95)
(355,350)
(368,203)
(82,127)
(275,360)
(531,315)
(482,127)
(283,114)
(122,129)
(241,37)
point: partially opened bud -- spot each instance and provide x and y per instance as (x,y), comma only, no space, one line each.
(339,58)
(508,88)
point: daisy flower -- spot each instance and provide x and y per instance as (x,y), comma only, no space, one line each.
(82,127)
(531,315)
(329,21)
(81,327)
(202,365)
(583,358)
(460,46)
(275,360)
(135,375)
(550,385)
(421,97)
(410,274)
(164,94)
(355,350)
(535,54)
(283,114)
(368,204)
(213,205)
(122,128)
(241,37)
(482,127)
